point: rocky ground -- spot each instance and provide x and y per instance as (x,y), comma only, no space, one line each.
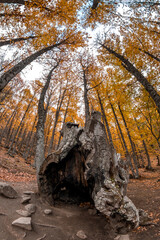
(71,222)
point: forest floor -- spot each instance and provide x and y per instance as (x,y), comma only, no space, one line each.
(67,220)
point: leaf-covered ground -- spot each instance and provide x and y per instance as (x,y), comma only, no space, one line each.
(145,193)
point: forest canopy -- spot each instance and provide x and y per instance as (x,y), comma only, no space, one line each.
(97,55)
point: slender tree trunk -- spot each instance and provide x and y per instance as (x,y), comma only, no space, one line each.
(29,141)
(110,140)
(158,159)
(14,40)
(11,73)
(40,156)
(11,148)
(8,130)
(113,169)
(64,119)
(128,157)
(22,2)
(139,76)
(150,55)
(23,139)
(130,139)
(136,153)
(56,120)
(142,159)
(85,96)
(149,166)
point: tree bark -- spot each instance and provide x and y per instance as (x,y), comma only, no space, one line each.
(13,143)
(22,2)
(64,119)
(128,157)
(40,156)
(60,101)
(150,55)
(29,140)
(11,73)
(149,166)
(131,142)
(8,42)
(139,76)
(85,93)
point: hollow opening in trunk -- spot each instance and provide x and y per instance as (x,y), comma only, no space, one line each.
(66,179)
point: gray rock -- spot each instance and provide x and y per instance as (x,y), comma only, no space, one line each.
(23,222)
(28,192)
(81,234)
(31,208)
(48,211)
(7,191)
(122,237)
(23,213)
(25,199)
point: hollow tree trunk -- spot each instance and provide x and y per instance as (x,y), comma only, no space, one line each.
(79,171)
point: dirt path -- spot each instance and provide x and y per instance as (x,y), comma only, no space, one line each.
(69,219)
(145,193)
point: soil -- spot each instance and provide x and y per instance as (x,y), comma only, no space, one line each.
(67,219)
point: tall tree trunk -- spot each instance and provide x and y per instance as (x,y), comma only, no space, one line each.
(113,169)
(13,143)
(85,96)
(14,40)
(150,55)
(158,159)
(149,166)
(64,119)
(110,140)
(139,76)
(29,141)
(131,142)
(142,159)
(59,105)
(22,2)
(40,156)
(11,73)
(128,157)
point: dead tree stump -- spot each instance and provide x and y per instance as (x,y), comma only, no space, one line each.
(84,169)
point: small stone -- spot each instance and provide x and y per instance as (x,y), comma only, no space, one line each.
(31,208)
(117,238)
(7,191)
(23,213)
(28,192)
(92,212)
(23,222)
(25,199)
(81,234)
(48,211)
(124,237)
